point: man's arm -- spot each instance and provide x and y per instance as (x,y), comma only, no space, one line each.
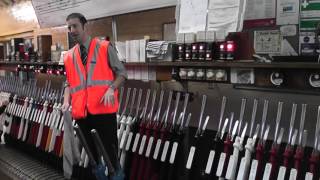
(116,65)
(120,73)
(119,80)
(66,98)
(66,95)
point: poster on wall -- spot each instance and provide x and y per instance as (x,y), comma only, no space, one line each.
(51,13)
(310,9)
(192,16)
(287,12)
(260,13)
(308,43)
(223,15)
(267,42)
(309,27)
(226,15)
(210,15)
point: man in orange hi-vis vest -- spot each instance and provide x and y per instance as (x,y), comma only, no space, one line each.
(94,74)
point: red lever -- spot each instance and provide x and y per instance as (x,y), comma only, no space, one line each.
(227,145)
(226,149)
(273,160)
(143,159)
(259,158)
(298,159)
(313,162)
(288,153)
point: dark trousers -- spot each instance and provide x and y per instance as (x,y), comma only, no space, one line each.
(106,126)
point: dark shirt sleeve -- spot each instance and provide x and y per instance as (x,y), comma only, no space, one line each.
(115,64)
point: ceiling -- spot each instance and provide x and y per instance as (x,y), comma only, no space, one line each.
(7,3)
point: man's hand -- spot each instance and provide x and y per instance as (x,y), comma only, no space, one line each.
(65,106)
(4,103)
(108,97)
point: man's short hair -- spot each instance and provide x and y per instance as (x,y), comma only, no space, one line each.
(80,16)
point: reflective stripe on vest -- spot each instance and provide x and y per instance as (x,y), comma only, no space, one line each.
(89,82)
(74,59)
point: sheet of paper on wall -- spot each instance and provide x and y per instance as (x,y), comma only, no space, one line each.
(225,15)
(242,14)
(310,9)
(307,43)
(309,24)
(192,17)
(260,9)
(217,21)
(267,42)
(288,30)
(287,49)
(287,12)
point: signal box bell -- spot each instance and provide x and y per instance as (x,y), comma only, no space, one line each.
(181,52)
(208,51)
(188,50)
(195,51)
(227,50)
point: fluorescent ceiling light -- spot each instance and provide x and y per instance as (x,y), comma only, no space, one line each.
(24,11)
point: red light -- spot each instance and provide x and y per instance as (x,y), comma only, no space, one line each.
(230,46)
(221,47)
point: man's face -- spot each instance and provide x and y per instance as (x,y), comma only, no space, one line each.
(76,30)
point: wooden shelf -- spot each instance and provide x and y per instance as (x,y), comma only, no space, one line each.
(232,64)
(212,64)
(49,63)
(314,91)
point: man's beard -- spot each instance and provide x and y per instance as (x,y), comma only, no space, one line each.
(76,38)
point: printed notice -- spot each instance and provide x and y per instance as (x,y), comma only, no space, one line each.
(287,12)
(266,42)
(260,9)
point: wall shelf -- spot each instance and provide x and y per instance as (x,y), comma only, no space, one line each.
(212,64)
(232,64)
(8,63)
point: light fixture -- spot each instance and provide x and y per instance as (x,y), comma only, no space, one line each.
(23,11)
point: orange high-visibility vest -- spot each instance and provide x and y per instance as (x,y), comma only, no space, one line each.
(89,84)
